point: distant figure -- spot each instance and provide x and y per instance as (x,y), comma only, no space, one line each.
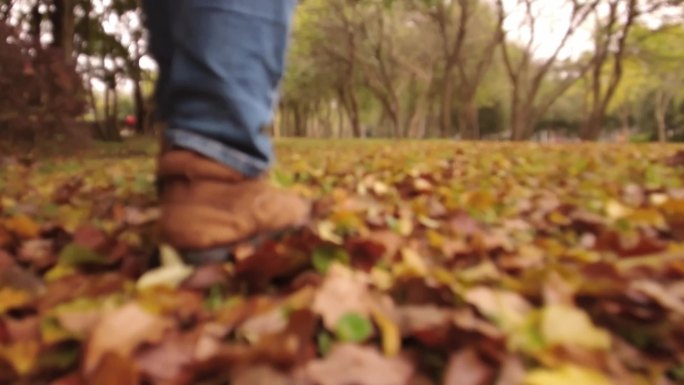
(130,121)
(220,63)
(128,129)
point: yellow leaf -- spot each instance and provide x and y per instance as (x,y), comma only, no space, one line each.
(22,355)
(647,218)
(559,219)
(391,336)
(616,210)
(170,257)
(434,238)
(381,279)
(565,325)
(52,332)
(480,200)
(169,276)
(422,185)
(413,262)
(326,230)
(172,272)
(60,271)
(12,298)
(23,226)
(567,375)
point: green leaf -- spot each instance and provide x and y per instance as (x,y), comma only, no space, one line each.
(677,373)
(77,255)
(354,328)
(215,298)
(325,343)
(325,256)
(61,359)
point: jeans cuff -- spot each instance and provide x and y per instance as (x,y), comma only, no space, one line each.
(235,159)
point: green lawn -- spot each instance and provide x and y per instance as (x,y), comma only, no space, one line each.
(431,262)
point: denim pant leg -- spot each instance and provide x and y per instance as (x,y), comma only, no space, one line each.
(228,59)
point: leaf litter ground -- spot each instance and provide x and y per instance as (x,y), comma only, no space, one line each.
(427,263)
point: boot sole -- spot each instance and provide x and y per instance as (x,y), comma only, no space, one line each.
(223,254)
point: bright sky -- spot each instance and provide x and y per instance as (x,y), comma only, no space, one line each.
(552,22)
(553,19)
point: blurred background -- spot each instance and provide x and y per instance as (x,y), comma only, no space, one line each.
(545,70)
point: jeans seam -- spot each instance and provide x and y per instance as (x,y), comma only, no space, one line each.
(242,12)
(218,151)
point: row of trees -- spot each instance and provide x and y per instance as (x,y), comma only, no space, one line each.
(399,68)
(473,68)
(101,42)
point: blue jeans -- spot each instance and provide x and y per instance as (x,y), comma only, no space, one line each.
(220,62)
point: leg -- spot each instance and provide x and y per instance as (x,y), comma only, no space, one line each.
(227,63)
(227,59)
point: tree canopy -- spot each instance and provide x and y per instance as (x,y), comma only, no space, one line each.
(471,69)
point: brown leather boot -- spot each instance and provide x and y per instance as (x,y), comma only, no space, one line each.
(208,208)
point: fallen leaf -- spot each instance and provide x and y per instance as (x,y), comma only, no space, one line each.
(171,273)
(467,368)
(77,255)
(353,364)
(21,355)
(12,299)
(389,330)
(507,308)
(565,325)
(261,374)
(512,372)
(23,226)
(113,369)
(5,237)
(664,297)
(353,328)
(15,277)
(270,322)
(566,375)
(343,292)
(166,362)
(120,332)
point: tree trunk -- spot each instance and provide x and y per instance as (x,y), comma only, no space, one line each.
(520,122)
(298,121)
(351,107)
(469,120)
(115,113)
(139,101)
(591,129)
(446,103)
(660,113)
(64,27)
(36,21)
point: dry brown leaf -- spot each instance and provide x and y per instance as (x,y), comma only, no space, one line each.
(512,372)
(343,292)
(165,362)
(114,369)
(79,323)
(506,307)
(467,368)
(23,226)
(420,318)
(120,332)
(270,322)
(359,365)
(261,374)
